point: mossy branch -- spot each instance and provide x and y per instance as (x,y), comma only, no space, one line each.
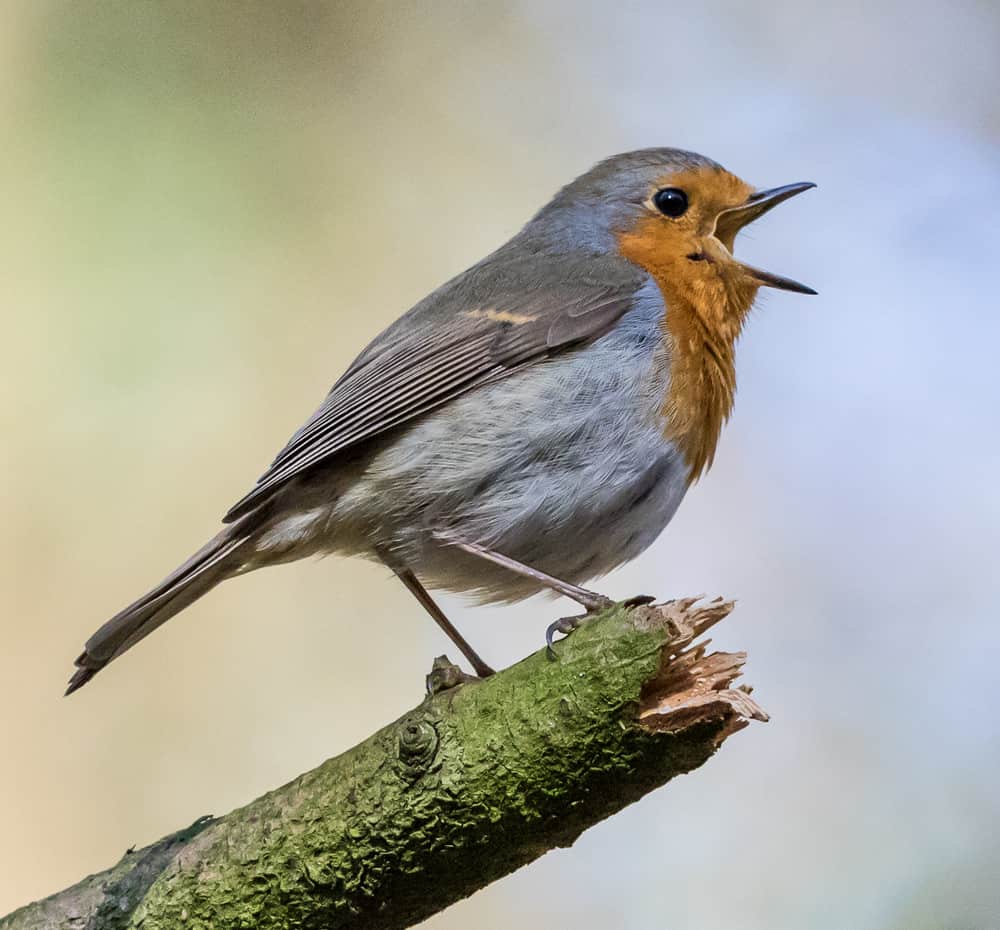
(476,781)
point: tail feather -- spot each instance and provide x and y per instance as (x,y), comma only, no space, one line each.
(214,562)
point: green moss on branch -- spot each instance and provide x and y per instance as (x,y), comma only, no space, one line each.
(467,787)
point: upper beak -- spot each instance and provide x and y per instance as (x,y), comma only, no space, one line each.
(731,221)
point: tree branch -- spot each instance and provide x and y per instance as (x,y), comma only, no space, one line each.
(473,783)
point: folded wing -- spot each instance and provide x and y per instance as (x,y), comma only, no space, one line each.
(481,326)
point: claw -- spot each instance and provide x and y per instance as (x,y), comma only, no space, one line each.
(564,625)
(640,600)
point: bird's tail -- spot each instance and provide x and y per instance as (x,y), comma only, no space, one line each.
(217,560)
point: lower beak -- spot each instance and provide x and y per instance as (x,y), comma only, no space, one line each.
(731,221)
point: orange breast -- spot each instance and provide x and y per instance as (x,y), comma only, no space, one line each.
(705,311)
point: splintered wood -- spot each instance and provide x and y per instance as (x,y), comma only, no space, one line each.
(693,686)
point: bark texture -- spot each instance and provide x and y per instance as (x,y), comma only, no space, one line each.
(478,780)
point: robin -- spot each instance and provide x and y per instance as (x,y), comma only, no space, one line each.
(531,424)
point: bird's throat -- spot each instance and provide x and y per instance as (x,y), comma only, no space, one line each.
(700,331)
(705,312)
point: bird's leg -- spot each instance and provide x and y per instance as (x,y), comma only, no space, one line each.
(591,600)
(427,602)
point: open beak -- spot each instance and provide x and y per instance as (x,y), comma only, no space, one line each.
(731,221)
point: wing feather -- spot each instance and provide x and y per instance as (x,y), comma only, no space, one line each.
(479,327)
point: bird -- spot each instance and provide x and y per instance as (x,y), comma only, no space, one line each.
(528,426)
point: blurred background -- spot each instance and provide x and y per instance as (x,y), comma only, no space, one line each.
(209,208)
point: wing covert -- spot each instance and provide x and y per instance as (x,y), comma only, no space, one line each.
(479,327)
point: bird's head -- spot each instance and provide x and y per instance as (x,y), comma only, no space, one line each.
(674,213)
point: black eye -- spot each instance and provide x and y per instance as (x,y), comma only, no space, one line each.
(671,201)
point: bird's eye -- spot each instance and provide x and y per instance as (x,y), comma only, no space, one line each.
(670,201)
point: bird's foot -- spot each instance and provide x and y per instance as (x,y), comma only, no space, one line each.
(564,625)
(444,675)
(567,625)
(591,602)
